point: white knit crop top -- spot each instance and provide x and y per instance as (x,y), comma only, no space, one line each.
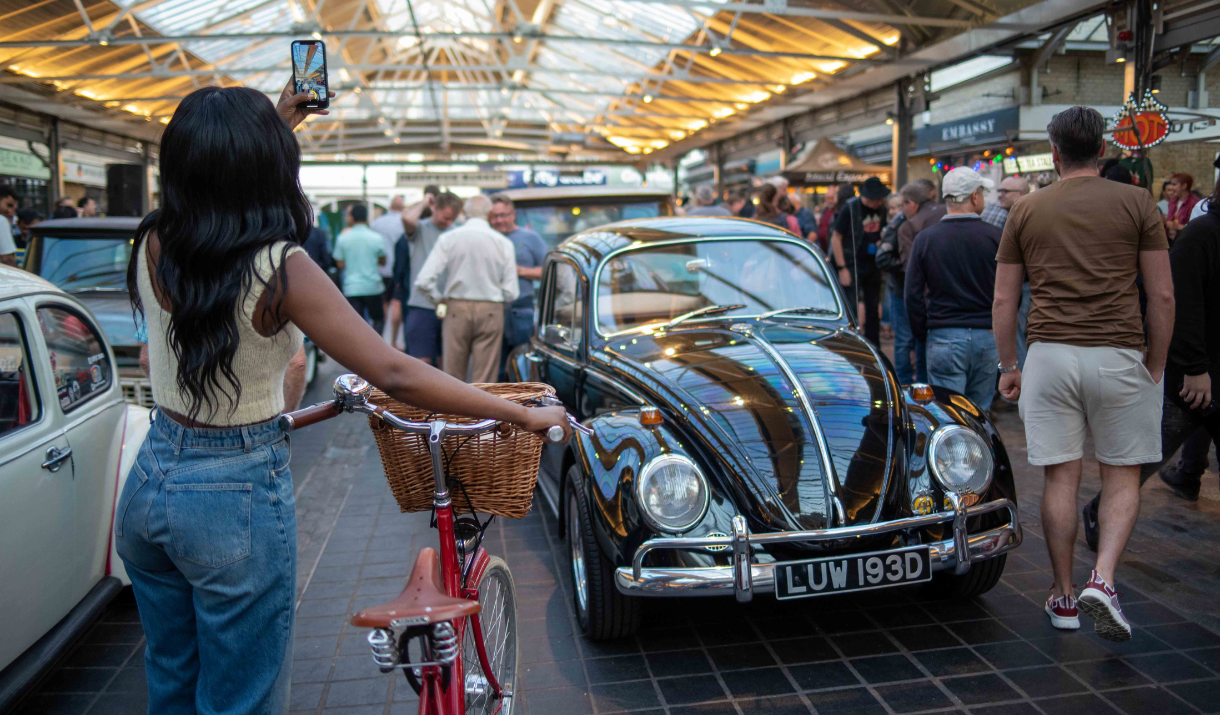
(260,362)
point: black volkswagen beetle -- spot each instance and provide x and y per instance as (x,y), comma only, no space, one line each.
(746,438)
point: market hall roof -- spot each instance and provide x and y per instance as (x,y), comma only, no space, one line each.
(512,79)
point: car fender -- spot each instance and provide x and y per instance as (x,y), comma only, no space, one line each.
(610,459)
(135,429)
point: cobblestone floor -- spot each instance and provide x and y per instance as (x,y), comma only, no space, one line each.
(886,652)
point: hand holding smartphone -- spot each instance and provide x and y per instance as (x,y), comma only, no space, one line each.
(309,75)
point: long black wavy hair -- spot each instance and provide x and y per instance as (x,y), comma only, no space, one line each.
(230,188)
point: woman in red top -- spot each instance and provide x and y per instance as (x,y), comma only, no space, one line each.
(1181,202)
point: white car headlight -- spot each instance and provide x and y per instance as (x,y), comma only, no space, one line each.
(961,460)
(672,492)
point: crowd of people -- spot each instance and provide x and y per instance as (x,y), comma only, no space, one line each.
(455,278)
(21,220)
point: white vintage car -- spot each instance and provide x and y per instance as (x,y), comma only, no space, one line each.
(67,442)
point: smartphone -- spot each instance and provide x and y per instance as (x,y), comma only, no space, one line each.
(309,72)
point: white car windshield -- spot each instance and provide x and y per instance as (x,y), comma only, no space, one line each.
(655,284)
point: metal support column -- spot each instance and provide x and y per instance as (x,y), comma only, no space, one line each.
(57,164)
(146,160)
(364,184)
(675,169)
(785,143)
(901,147)
(719,175)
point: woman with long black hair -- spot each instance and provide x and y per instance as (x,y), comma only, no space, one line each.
(206,522)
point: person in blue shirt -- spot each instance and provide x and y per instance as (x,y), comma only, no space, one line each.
(359,252)
(530,250)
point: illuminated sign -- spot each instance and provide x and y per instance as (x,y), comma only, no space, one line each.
(1010,165)
(1141,126)
(1036,162)
(480,179)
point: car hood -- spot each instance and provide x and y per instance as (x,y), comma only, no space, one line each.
(786,450)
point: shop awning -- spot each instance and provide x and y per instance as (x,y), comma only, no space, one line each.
(826,163)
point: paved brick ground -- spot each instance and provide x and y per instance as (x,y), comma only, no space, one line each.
(886,652)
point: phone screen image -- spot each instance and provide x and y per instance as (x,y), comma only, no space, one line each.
(309,70)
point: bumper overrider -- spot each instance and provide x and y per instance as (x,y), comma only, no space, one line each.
(744,578)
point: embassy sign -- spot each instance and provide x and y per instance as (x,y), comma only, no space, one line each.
(984,128)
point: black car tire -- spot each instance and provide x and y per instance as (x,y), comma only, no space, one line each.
(605,614)
(981,578)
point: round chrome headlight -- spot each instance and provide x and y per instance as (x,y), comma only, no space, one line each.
(672,493)
(961,460)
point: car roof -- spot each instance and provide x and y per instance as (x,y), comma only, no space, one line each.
(15,282)
(65,226)
(594,244)
(560,193)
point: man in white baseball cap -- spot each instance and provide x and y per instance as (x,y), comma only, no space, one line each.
(949,289)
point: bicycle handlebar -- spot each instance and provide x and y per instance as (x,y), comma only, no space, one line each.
(347,400)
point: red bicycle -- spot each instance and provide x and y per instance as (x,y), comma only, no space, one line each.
(461,595)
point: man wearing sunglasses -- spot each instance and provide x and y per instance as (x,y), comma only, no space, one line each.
(996,214)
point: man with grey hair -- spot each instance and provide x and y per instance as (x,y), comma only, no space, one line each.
(1009,190)
(480,276)
(1083,240)
(949,287)
(705,204)
(530,253)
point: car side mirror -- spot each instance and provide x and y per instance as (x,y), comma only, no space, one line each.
(557,335)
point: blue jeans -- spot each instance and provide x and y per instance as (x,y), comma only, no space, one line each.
(964,360)
(905,343)
(1022,322)
(206,526)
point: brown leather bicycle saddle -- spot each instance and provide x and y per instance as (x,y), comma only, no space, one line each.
(423,600)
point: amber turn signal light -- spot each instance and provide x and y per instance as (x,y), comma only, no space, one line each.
(921,392)
(650,416)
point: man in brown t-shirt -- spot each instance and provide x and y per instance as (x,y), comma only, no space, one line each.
(1083,240)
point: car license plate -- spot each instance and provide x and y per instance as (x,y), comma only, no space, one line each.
(857,572)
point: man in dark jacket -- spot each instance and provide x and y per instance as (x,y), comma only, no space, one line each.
(1193,366)
(950,284)
(857,232)
(920,210)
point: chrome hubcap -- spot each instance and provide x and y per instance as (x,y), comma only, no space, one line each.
(578,555)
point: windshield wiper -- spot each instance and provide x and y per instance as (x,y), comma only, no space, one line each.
(705,310)
(802,309)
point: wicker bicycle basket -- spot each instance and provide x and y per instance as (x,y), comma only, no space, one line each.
(492,473)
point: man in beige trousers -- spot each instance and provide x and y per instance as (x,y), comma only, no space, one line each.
(477,267)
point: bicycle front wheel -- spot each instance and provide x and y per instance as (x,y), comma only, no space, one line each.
(498,597)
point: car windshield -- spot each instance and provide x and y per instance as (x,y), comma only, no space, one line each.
(655,284)
(555,223)
(84,264)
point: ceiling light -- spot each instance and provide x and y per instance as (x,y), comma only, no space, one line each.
(165,120)
(647,98)
(677,134)
(389,132)
(831,66)
(741,105)
(103,42)
(757,96)
(316,35)
(647,150)
(777,88)
(517,37)
(1121,59)
(504,91)
(659,143)
(889,120)
(397,140)
(723,112)
(356,90)
(696,125)
(802,77)
(715,51)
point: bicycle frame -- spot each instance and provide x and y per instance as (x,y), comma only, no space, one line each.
(437,696)
(435,699)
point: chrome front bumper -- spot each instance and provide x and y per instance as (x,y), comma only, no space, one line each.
(744,578)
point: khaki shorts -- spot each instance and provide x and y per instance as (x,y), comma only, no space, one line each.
(1065,387)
